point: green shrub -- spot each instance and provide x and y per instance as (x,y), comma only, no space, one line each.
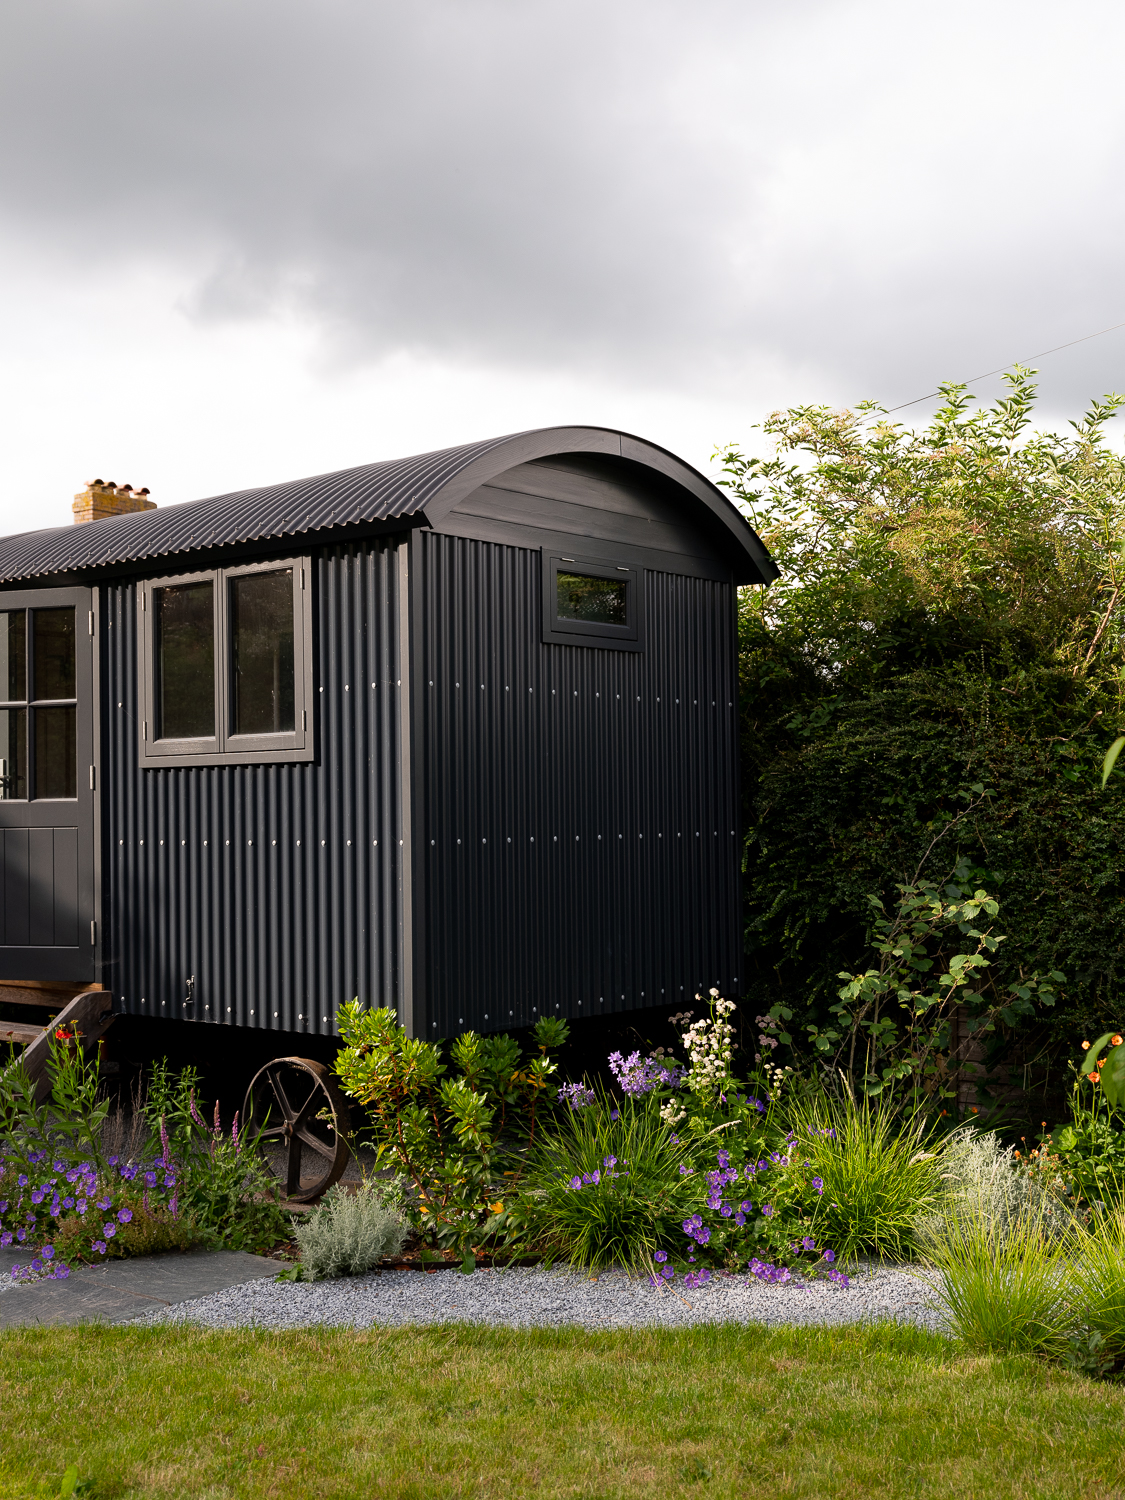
(604,1186)
(350,1233)
(455,1119)
(981,1178)
(879,1170)
(1002,1286)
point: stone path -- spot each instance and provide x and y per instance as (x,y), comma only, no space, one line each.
(118,1290)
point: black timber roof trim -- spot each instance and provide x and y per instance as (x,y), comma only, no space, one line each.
(416,491)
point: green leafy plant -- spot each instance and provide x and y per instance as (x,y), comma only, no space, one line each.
(351,1232)
(1089,1150)
(457,1130)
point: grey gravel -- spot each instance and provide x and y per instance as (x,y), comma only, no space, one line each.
(540,1297)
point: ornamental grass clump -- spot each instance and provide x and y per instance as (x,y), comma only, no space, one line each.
(350,1233)
(1003,1286)
(607,1186)
(879,1173)
(1096,1285)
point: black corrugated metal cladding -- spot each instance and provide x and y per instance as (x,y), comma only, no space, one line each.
(277,886)
(579,838)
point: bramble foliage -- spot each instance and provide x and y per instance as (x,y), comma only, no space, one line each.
(948,617)
(904,1024)
(459,1138)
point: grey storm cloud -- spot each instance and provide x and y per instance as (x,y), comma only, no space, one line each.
(674,192)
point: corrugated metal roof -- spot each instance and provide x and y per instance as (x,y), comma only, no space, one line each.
(395,488)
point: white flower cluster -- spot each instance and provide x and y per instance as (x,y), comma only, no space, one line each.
(710,1047)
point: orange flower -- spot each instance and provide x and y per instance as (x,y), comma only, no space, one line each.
(1115,1041)
(1094,1077)
(1085,1046)
(62,1035)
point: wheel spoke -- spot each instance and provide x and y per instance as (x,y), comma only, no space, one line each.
(328,1152)
(274,1076)
(301,1118)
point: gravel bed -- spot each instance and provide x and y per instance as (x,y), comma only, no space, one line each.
(519,1297)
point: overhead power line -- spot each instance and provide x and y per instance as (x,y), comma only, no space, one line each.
(1000,368)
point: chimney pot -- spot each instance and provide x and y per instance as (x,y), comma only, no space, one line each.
(100,500)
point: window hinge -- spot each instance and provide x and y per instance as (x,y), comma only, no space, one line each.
(93,934)
(304,719)
(144,600)
(302,577)
(144,729)
(93,778)
(91,622)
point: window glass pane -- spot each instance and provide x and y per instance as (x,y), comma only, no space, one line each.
(55,752)
(13,654)
(598,600)
(54,653)
(13,754)
(261,609)
(185,650)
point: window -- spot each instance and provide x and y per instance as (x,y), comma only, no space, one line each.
(226,666)
(591,602)
(38,705)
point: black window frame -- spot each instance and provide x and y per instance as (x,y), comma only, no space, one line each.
(562,632)
(224,747)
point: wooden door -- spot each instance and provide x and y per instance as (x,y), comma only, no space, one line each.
(47,785)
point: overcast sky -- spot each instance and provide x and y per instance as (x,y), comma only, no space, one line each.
(246,240)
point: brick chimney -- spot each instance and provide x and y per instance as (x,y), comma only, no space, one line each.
(99,500)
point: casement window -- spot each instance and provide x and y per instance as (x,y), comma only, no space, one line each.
(591,602)
(226,666)
(38,705)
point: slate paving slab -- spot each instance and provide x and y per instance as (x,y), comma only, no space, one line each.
(118,1290)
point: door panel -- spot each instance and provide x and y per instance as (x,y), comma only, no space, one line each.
(47,778)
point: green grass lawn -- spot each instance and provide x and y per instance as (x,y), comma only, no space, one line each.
(456,1411)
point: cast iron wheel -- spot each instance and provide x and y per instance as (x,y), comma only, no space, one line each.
(296,1103)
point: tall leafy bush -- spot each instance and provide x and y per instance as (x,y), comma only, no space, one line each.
(949,615)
